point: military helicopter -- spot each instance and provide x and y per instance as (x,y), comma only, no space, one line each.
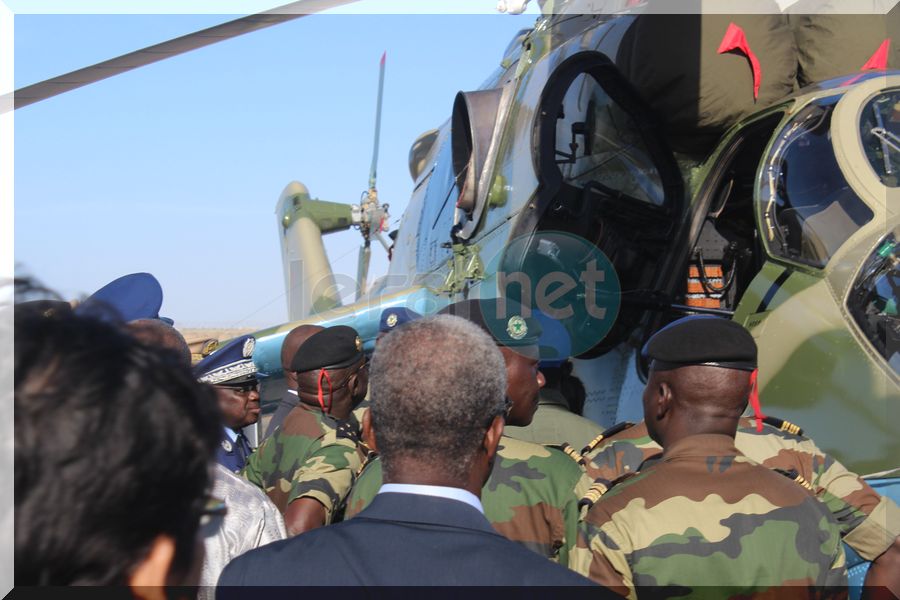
(782,214)
(787,222)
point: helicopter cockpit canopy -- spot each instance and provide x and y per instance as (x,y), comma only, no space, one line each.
(809,209)
(598,142)
(874,298)
(879,128)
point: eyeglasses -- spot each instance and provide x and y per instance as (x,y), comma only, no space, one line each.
(242,388)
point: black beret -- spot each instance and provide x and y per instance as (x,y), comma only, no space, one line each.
(334,347)
(701,340)
(504,320)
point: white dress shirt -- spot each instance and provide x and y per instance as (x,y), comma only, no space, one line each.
(439,491)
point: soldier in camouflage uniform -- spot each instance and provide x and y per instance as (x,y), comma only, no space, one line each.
(870,523)
(308,465)
(533,491)
(705,514)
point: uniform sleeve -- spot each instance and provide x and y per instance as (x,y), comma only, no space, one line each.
(572,514)
(364,489)
(327,474)
(601,555)
(877,532)
(870,523)
(252,471)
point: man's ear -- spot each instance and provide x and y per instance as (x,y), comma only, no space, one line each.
(663,399)
(492,436)
(357,384)
(149,577)
(368,434)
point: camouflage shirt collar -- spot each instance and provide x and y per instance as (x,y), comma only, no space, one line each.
(701,445)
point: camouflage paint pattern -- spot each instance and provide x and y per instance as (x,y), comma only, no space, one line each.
(312,455)
(707,521)
(868,521)
(531,496)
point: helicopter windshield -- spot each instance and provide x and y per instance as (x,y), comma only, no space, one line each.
(598,142)
(809,209)
(879,127)
(875,296)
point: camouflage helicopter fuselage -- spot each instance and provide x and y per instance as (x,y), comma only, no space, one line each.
(557,140)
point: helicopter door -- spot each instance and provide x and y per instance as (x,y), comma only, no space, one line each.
(608,177)
(438,208)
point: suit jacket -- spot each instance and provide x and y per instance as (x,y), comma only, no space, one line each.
(399,539)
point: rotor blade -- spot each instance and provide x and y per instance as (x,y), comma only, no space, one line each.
(373,170)
(384,243)
(139,58)
(362,269)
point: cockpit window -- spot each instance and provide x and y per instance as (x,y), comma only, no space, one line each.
(875,296)
(809,209)
(597,142)
(879,127)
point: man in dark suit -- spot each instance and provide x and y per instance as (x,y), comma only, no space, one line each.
(438,407)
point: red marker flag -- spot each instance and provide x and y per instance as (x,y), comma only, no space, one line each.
(735,39)
(879,60)
(754,400)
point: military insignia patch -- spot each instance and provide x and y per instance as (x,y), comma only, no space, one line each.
(516,327)
(359,344)
(249,345)
(226,445)
(209,347)
(392,320)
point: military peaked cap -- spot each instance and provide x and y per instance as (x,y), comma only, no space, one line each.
(334,348)
(391,318)
(701,340)
(503,319)
(229,365)
(128,298)
(555,342)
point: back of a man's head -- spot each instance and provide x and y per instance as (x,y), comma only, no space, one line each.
(435,386)
(113,442)
(155,332)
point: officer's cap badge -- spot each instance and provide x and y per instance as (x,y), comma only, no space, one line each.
(516,327)
(392,320)
(359,344)
(249,345)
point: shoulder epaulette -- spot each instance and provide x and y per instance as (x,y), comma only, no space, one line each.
(600,487)
(796,478)
(783,425)
(348,430)
(570,452)
(608,433)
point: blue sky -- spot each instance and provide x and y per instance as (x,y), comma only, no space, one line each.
(175,168)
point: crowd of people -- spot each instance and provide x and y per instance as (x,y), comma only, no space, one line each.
(453,455)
